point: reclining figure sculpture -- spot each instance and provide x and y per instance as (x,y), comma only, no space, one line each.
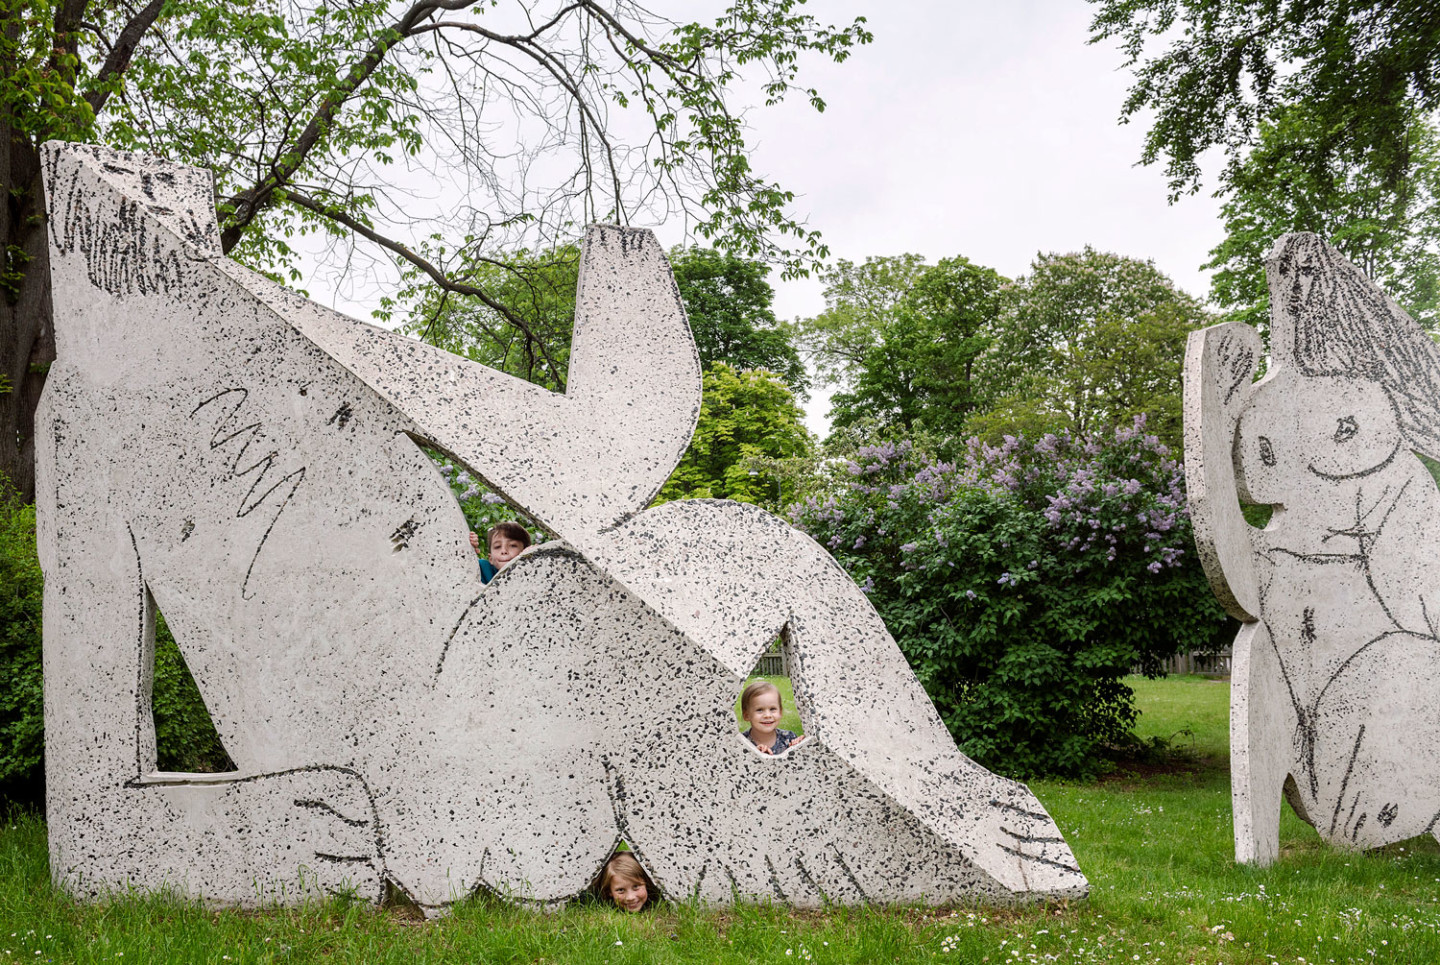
(1335,688)
(213,445)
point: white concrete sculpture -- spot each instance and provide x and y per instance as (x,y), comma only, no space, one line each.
(247,461)
(1335,692)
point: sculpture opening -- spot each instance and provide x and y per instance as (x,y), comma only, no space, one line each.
(184,733)
(251,458)
(770,707)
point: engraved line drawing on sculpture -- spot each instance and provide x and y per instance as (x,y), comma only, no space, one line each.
(248,463)
(1337,682)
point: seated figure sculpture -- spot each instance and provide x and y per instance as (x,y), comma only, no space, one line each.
(248,462)
(1335,699)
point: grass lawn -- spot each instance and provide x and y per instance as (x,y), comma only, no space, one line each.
(1155,843)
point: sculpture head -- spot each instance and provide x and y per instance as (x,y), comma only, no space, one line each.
(1299,432)
(1330,321)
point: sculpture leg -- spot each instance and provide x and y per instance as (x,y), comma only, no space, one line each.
(1262,722)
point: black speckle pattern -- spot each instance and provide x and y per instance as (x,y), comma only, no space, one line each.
(1336,677)
(394,721)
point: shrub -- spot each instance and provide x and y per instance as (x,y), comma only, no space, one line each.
(22,720)
(1023,581)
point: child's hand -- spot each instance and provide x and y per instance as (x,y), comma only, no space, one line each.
(475,543)
(799,740)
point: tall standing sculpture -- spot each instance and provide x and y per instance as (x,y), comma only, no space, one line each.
(1335,698)
(246,461)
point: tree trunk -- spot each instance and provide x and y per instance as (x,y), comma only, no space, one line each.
(27,335)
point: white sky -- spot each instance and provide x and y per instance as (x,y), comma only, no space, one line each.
(983,128)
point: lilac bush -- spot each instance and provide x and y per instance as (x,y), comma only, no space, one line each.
(1023,581)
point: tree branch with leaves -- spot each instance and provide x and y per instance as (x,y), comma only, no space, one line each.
(426,137)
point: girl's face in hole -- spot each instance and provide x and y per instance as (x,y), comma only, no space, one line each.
(628,893)
(763,714)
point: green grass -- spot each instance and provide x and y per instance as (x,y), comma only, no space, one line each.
(1155,844)
(1192,713)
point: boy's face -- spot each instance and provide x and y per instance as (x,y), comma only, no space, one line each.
(503,549)
(629,894)
(764,713)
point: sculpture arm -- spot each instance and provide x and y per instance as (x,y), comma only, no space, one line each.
(1220,364)
(115,822)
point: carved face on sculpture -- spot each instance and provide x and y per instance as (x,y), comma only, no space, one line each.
(1299,433)
(1331,321)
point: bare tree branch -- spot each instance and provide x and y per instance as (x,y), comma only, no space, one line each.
(441,279)
(247,204)
(121,51)
(556,70)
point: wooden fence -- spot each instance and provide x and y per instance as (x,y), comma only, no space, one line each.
(772,664)
(1217,664)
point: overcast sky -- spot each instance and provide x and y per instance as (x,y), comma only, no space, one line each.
(969,127)
(980,129)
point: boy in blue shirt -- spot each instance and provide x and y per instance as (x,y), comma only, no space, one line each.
(506,541)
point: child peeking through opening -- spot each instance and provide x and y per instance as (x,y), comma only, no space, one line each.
(506,541)
(761,706)
(623,881)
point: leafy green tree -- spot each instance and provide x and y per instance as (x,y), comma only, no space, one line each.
(530,337)
(921,375)
(306,110)
(860,301)
(1391,232)
(903,338)
(1088,341)
(22,716)
(746,417)
(729,304)
(1366,70)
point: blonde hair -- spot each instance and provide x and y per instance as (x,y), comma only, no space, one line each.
(753,690)
(622,866)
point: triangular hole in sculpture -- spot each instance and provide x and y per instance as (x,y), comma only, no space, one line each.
(482,508)
(773,681)
(185,737)
(621,870)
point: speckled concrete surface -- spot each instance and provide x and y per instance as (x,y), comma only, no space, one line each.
(1335,698)
(215,446)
